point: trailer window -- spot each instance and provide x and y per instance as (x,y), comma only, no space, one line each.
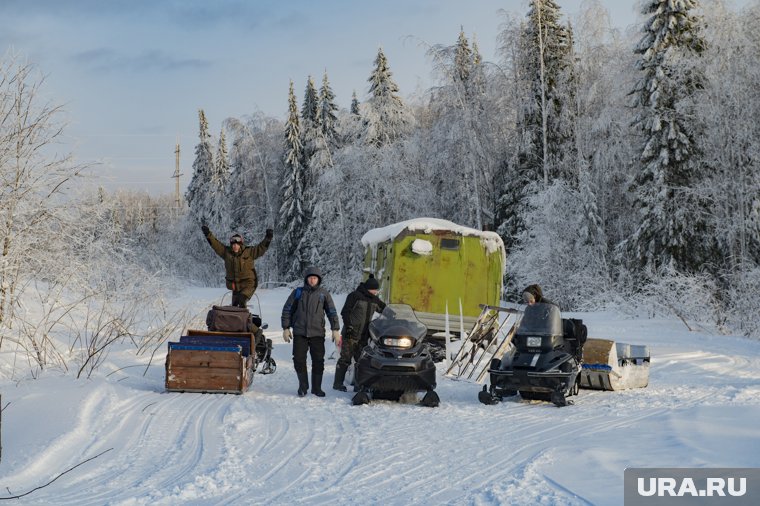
(450,244)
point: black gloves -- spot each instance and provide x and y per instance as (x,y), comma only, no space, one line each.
(269,234)
(205,229)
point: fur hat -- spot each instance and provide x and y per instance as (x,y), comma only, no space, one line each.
(532,293)
(371,283)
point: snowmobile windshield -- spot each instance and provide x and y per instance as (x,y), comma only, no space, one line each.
(541,319)
(397,320)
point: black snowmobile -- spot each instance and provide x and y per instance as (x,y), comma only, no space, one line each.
(263,347)
(396,360)
(544,361)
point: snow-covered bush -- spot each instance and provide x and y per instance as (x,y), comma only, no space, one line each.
(71,284)
(691,297)
(742,303)
(556,251)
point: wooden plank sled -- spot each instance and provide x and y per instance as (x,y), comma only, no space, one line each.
(610,365)
(210,362)
(488,339)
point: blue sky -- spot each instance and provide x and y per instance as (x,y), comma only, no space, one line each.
(133,73)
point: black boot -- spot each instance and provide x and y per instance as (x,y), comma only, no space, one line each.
(316,384)
(340,376)
(303,383)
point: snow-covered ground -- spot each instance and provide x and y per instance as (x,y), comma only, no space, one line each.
(270,447)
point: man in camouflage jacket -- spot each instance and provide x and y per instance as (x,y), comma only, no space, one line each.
(240,273)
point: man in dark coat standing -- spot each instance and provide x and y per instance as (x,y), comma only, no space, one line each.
(240,273)
(357,312)
(305,312)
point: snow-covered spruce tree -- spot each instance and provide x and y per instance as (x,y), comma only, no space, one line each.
(328,113)
(310,127)
(310,106)
(202,207)
(321,212)
(512,209)
(386,118)
(293,218)
(673,226)
(220,176)
(355,104)
(199,192)
(547,119)
(325,136)
(350,126)
(592,238)
(315,156)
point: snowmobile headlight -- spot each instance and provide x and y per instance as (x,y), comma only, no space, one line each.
(398,342)
(533,342)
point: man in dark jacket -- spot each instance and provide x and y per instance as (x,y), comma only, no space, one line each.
(357,312)
(240,273)
(305,312)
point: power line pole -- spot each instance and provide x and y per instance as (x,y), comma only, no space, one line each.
(176,176)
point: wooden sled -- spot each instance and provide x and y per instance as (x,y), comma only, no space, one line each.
(609,365)
(211,362)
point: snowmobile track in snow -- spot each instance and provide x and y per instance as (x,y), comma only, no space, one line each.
(268,446)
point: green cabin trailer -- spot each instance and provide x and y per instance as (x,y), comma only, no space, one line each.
(438,268)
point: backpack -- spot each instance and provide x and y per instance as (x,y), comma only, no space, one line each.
(231,319)
(296,298)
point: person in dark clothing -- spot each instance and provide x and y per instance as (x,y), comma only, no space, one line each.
(534,295)
(240,273)
(305,312)
(357,312)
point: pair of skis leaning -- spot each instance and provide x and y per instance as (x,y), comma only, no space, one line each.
(489,338)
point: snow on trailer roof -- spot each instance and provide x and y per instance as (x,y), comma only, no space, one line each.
(490,240)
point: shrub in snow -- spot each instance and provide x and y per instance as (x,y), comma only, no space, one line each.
(742,304)
(556,251)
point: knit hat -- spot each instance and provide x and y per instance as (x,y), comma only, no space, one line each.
(312,270)
(371,283)
(237,238)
